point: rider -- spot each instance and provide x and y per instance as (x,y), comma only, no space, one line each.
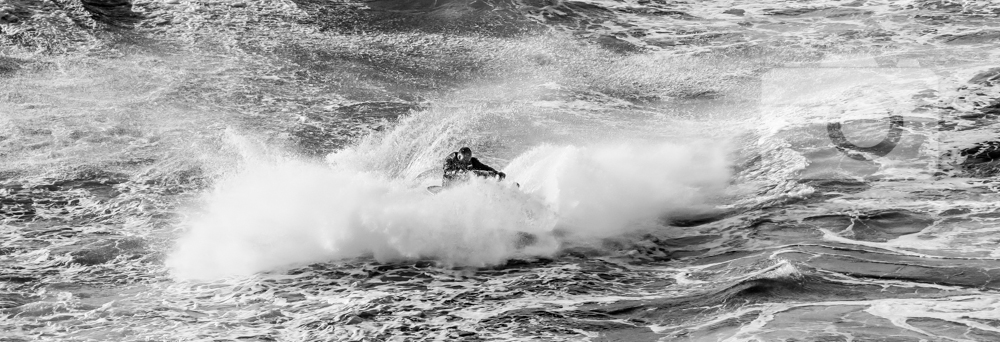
(457,164)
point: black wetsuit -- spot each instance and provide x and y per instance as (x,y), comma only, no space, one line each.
(455,169)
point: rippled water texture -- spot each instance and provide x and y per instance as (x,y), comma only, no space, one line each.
(687,171)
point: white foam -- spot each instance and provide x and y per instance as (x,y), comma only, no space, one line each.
(605,190)
(292,213)
(280,212)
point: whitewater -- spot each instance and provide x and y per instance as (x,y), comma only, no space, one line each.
(712,171)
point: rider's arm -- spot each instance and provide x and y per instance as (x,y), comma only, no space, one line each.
(477,165)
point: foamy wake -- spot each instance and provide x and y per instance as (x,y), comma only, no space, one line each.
(279,213)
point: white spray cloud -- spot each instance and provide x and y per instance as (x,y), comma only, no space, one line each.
(602,191)
(292,213)
(281,213)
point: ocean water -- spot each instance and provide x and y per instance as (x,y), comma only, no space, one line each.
(688,171)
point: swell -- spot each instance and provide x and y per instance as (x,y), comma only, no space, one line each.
(806,274)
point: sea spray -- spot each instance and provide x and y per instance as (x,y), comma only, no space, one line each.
(282,212)
(608,189)
(294,213)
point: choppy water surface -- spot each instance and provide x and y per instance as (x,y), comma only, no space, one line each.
(257,172)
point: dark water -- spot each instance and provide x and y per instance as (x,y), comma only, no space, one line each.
(217,172)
